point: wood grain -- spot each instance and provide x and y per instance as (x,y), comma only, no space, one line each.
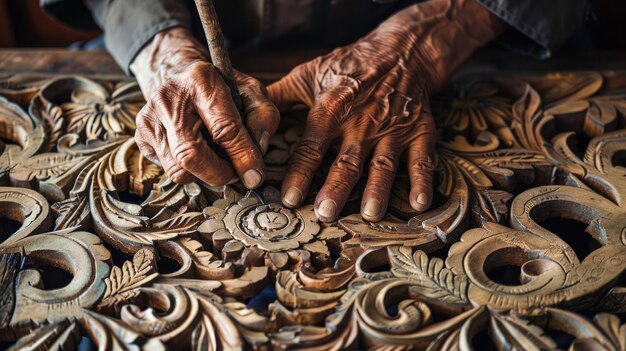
(525,239)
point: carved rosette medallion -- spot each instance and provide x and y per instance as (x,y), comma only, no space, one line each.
(267,228)
(271,227)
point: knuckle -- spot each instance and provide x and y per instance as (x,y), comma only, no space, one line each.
(186,153)
(383,163)
(225,131)
(249,82)
(349,162)
(197,70)
(163,95)
(146,116)
(426,124)
(177,174)
(142,145)
(309,152)
(263,108)
(422,165)
(166,103)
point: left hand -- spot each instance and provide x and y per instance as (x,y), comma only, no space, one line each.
(373,95)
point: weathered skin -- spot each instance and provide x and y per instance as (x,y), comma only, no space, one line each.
(185,92)
(371,96)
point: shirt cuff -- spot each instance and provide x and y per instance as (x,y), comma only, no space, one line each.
(538,27)
(131,24)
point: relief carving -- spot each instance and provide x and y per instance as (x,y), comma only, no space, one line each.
(530,176)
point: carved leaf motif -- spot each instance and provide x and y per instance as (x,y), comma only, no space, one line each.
(500,138)
(50,164)
(613,328)
(113,221)
(121,284)
(491,205)
(112,334)
(251,325)
(293,294)
(216,331)
(596,334)
(200,263)
(142,173)
(54,337)
(507,168)
(52,173)
(71,213)
(513,333)
(570,87)
(433,278)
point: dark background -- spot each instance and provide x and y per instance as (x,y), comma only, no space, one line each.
(23,24)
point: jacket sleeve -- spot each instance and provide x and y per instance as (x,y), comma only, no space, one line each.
(538,27)
(128,25)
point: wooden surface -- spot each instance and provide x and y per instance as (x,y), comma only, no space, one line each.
(524,247)
(270,65)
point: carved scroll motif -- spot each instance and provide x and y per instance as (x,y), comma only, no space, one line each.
(526,238)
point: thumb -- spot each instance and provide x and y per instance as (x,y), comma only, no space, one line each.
(293,89)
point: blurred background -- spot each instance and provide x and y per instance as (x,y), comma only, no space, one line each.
(23,24)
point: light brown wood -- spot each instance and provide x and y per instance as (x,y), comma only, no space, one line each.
(531,175)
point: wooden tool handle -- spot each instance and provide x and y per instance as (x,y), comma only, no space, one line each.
(217,49)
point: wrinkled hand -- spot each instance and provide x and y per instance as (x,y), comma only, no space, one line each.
(373,97)
(185,94)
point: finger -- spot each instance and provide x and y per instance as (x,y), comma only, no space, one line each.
(195,156)
(262,117)
(294,88)
(342,177)
(150,132)
(173,170)
(146,149)
(218,112)
(382,173)
(305,160)
(420,159)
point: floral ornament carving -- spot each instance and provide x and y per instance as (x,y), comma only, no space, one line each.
(250,227)
(530,179)
(79,253)
(21,137)
(89,109)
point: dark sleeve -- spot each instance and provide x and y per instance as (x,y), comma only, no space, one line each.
(538,27)
(128,25)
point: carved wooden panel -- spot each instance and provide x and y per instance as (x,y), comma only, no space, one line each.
(524,247)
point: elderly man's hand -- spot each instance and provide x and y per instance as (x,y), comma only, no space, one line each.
(373,97)
(185,94)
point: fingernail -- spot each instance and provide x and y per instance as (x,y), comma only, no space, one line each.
(422,199)
(292,197)
(264,142)
(252,179)
(327,209)
(372,208)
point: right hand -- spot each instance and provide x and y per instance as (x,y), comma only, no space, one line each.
(184,93)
